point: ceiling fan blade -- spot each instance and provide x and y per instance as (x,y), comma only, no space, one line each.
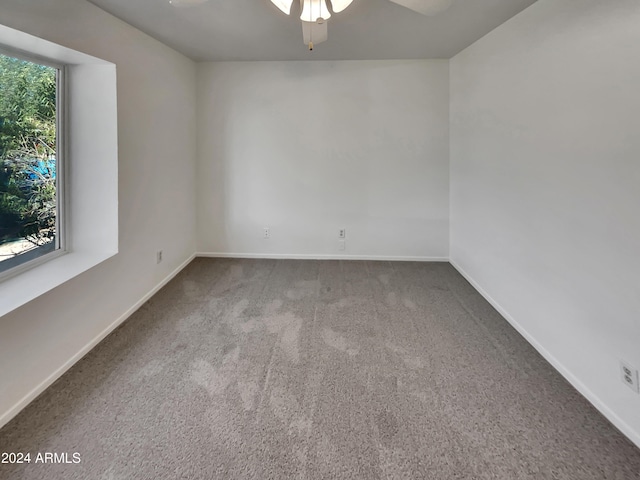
(425,7)
(284,5)
(185,3)
(340,5)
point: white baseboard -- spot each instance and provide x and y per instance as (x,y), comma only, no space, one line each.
(609,414)
(306,256)
(27,399)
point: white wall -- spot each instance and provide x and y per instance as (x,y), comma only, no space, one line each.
(156,129)
(307,148)
(545,177)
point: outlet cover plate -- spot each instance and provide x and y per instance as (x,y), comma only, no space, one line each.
(629,376)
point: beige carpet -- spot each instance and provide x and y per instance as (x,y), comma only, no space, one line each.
(265,369)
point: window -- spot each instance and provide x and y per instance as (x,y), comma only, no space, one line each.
(88,233)
(86,202)
(30,163)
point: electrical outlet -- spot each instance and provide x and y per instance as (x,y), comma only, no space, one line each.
(342,233)
(342,245)
(159,256)
(629,376)
(266,233)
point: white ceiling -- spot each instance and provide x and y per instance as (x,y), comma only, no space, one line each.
(221,30)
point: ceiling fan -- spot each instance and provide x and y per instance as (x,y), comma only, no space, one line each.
(316,13)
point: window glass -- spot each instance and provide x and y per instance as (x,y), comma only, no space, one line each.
(29,132)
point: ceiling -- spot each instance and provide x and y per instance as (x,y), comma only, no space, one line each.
(222,30)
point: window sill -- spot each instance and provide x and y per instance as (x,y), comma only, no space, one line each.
(21,289)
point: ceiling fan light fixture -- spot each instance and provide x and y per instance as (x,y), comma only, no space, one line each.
(312,10)
(284,5)
(340,5)
(314,33)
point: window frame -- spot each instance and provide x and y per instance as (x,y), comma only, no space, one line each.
(60,247)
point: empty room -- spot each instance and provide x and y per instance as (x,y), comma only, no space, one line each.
(319,239)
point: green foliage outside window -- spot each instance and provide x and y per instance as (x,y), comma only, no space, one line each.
(27,151)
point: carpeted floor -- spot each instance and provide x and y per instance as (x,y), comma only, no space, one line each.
(277,369)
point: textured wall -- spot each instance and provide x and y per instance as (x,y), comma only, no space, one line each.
(544,186)
(156,130)
(307,148)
